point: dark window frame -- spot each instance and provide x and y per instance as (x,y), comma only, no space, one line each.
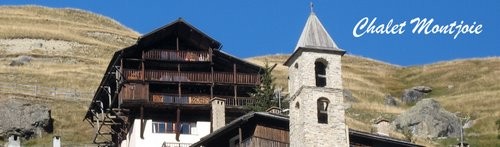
(320,73)
(323,110)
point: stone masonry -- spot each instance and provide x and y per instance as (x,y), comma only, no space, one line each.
(218,113)
(304,127)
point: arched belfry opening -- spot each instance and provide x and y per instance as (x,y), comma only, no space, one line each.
(320,72)
(323,110)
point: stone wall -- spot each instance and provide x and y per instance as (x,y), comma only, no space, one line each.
(304,127)
(303,74)
(218,113)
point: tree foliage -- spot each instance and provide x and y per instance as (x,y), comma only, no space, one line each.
(264,93)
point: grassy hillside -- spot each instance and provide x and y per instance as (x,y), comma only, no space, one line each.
(466,87)
(70,49)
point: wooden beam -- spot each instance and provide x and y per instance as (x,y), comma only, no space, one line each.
(240,136)
(179,83)
(234,73)
(212,79)
(179,89)
(211,53)
(235,88)
(177,124)
(142,122)
(177,43)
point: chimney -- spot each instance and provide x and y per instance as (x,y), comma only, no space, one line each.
(274,110)
(14,141)
(218,113)
(56,141)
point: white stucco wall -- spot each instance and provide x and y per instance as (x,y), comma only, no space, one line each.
(157,139)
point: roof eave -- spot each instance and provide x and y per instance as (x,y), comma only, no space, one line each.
(299,50)
(217,44)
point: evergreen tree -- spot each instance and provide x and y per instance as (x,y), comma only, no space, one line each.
(264,93)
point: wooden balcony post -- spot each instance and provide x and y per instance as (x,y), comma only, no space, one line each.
(234,73)
(179,92)
(142,122)
(235,87)
(240,135)
(177,43)
(142,71)
(178,124)
(121,68)
(210,54)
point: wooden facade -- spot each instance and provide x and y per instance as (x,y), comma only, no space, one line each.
(255,129)
(170,70)
(268,137)
(263,129)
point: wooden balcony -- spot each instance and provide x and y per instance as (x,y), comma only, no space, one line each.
(174,55)
(137,93)
(193,77)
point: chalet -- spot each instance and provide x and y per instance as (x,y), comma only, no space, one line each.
(172,87)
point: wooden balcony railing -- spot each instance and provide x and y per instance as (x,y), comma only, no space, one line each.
(168,144)
(175,99)
(198,100)
(138,94)
(240,101)
(194,77)
(174,55)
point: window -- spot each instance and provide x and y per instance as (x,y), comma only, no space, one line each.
(323,110)
(170,127)
(320,73)
(186,127)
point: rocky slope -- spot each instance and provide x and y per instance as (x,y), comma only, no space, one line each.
(58,48)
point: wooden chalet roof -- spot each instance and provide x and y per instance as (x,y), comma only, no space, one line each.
(179,28)
(282,121)
(184,30)
(245,121)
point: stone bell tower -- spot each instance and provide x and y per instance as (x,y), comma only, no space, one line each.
(315,85)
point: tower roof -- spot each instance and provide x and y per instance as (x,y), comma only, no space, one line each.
(314,38)
(314,35)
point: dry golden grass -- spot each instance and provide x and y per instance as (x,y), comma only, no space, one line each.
(280,72)
(79,68)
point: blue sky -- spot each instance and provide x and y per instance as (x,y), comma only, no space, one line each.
(262,27)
